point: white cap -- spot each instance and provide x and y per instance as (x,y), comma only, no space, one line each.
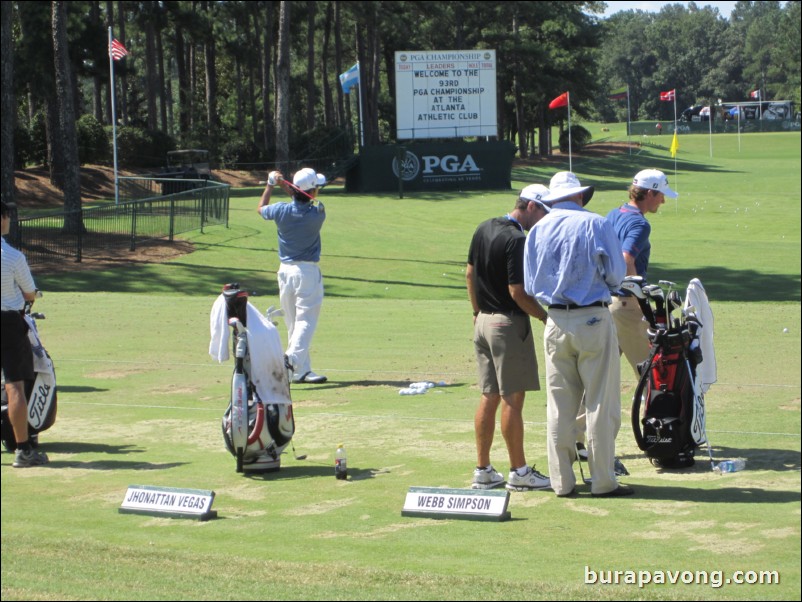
(654,179)
(306,179)
(564,184)
(536,193)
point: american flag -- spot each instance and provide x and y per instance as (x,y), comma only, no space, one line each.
(668,95)
(117,50)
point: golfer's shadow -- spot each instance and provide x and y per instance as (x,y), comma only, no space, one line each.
(309,470)
(61,447)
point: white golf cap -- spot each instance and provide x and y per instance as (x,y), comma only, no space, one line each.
(565,184)
(307,179)
(536,193)
(654,179)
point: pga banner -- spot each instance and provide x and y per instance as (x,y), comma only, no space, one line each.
(445,94)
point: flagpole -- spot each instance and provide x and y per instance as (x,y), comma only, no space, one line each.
(113,124)
(359,85)
(710,128)
(570,161)
(675,132)
(629,145)
(676,135)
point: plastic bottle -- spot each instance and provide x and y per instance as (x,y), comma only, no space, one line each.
(340,466)
(730,466)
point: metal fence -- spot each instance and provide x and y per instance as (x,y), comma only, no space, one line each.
(149,208)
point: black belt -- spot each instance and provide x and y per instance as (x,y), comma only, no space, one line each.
(572,306)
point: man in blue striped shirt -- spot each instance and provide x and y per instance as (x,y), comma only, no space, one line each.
(572,262)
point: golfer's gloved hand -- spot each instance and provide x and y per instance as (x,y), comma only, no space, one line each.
(273,178)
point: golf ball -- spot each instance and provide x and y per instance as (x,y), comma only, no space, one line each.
(785,330)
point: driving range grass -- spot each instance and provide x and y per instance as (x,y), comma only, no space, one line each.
(140,402)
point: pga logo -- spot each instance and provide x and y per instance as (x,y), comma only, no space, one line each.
(410,166)
(449,164)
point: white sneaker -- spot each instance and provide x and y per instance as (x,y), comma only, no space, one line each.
(310,377)
(530,481)
(487,478)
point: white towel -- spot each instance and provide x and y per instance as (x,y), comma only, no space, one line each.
(218,325)
(267,371)
(706,371)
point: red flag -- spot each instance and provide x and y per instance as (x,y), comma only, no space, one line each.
(117,50)
(755,94)
(560,101)
(668,95)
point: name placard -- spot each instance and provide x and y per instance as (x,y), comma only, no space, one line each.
(169,501)
(472,504)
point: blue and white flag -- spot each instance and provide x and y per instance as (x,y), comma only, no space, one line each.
(350,78)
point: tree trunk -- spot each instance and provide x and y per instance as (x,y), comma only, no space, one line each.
(122,95)
(72,176)
(55,143)
(183,82)
(328,103)
(342,120)
(283,89)
(310,64)
(210,54)
(267,61)
(518,92)
(151,71)
(160,84)
(8,106)
(109,23)
(97,87)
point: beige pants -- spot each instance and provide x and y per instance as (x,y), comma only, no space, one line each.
(582,356)
(631,328)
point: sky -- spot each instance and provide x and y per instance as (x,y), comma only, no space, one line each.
(724,8)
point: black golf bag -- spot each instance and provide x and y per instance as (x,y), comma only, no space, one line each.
(40,391)
(668,413)
(257,440)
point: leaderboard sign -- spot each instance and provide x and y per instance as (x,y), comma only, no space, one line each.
(445,94)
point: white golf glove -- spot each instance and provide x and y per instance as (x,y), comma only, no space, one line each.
(273,178)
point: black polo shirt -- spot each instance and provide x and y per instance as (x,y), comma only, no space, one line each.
(497,256)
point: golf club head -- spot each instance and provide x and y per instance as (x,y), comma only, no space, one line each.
(633,284)
(653,291)
(667,284)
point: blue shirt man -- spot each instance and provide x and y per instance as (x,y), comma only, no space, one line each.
(648,191)
(572,262)
(300,281)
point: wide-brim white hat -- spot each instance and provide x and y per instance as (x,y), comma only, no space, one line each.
(565,184)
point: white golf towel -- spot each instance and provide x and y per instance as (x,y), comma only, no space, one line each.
(706,371)
(268,373)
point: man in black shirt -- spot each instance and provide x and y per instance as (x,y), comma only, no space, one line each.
(505,349)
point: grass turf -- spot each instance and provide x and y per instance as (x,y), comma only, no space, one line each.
(140,403)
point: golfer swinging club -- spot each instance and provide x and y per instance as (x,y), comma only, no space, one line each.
(299,279)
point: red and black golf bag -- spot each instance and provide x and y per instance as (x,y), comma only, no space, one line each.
(668,411)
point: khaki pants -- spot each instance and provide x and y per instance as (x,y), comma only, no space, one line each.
(581,349)
(633,341)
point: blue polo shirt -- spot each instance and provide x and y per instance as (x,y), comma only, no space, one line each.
(298,226)
(633,231)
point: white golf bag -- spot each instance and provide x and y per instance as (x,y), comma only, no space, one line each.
(258,423)
(40,392)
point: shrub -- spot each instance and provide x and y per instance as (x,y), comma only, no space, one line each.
(580,138)
(137,147)
(93,145)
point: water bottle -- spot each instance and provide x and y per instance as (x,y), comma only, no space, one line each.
(340,466)
(730,466)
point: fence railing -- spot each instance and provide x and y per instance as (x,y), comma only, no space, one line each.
(149,208)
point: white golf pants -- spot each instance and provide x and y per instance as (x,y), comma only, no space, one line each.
(300,286)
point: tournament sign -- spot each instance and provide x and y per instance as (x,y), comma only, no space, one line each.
(445,94)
